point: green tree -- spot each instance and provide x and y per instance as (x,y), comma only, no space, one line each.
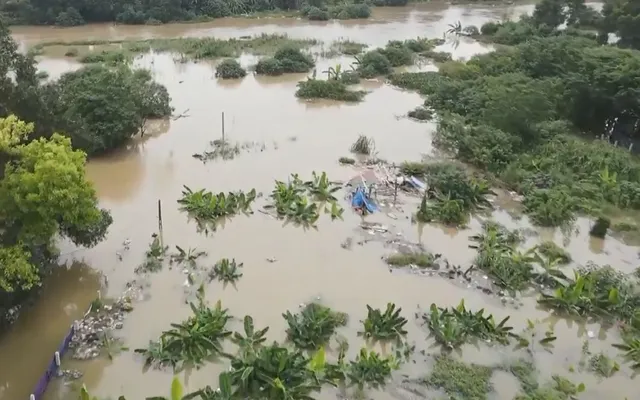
(101,108)
(43,193)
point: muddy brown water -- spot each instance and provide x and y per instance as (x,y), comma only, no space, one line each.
(288,136)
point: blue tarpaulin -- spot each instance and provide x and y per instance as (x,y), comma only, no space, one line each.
(360,200)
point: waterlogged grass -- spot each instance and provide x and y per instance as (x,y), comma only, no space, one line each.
(419,259)
(189,48)
(460,380)
(331,89)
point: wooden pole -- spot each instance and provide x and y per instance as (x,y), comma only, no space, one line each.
(160,221)
(223,128)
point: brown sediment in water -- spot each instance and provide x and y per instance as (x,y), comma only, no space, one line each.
(261,109)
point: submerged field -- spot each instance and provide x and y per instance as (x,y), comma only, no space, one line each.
(285,267)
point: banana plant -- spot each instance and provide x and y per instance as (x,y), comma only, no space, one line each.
(226,271)
(384,326)
(189,257)
(252,339)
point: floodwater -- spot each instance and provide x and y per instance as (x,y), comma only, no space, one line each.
(288,136)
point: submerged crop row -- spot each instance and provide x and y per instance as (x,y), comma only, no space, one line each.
(259,370)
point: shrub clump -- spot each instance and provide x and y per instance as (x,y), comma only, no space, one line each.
(350,77)
(285,60)
(350,11)
(374,63)
(452,195)
(230,69)
(330,89)
(421,114)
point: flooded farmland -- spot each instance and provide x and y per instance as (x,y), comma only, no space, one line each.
(284,266)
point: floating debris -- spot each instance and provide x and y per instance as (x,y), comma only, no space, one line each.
(93,332)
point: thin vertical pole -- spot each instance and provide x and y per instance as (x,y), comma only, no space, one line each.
(223,127)
(160,221)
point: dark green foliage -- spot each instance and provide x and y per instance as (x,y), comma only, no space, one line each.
(398,54)
(373,63)
(314,326)
(317,14)
(455,326)
(421,114)
(285,60)
(513,113)
(350,11)
(452,194)
(230,69)
(600,227)
(330,89)
(101,108)
(369,368)
(387,325)
(192,342)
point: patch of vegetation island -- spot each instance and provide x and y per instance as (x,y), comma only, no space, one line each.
(285,60)
(230,69)
(332,89)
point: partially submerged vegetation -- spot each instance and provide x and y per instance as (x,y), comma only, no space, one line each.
(520,121)
(285,60)
(302,202)
(314,326)
(453,194)
(455,326)
(188,48)
(384,326)
(209,209)
(192,342)
(332,89)
(230,69)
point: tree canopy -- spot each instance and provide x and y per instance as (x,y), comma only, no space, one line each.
(43,193)
(528,114)
(98,107)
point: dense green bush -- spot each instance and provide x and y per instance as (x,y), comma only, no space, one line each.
(398,54)
(230,69)
(350,77)
(514,113)
(332,89)
(350,11)
(374,63)
(285,60)
(317,14)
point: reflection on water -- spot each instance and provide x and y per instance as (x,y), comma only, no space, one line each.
(306,137)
